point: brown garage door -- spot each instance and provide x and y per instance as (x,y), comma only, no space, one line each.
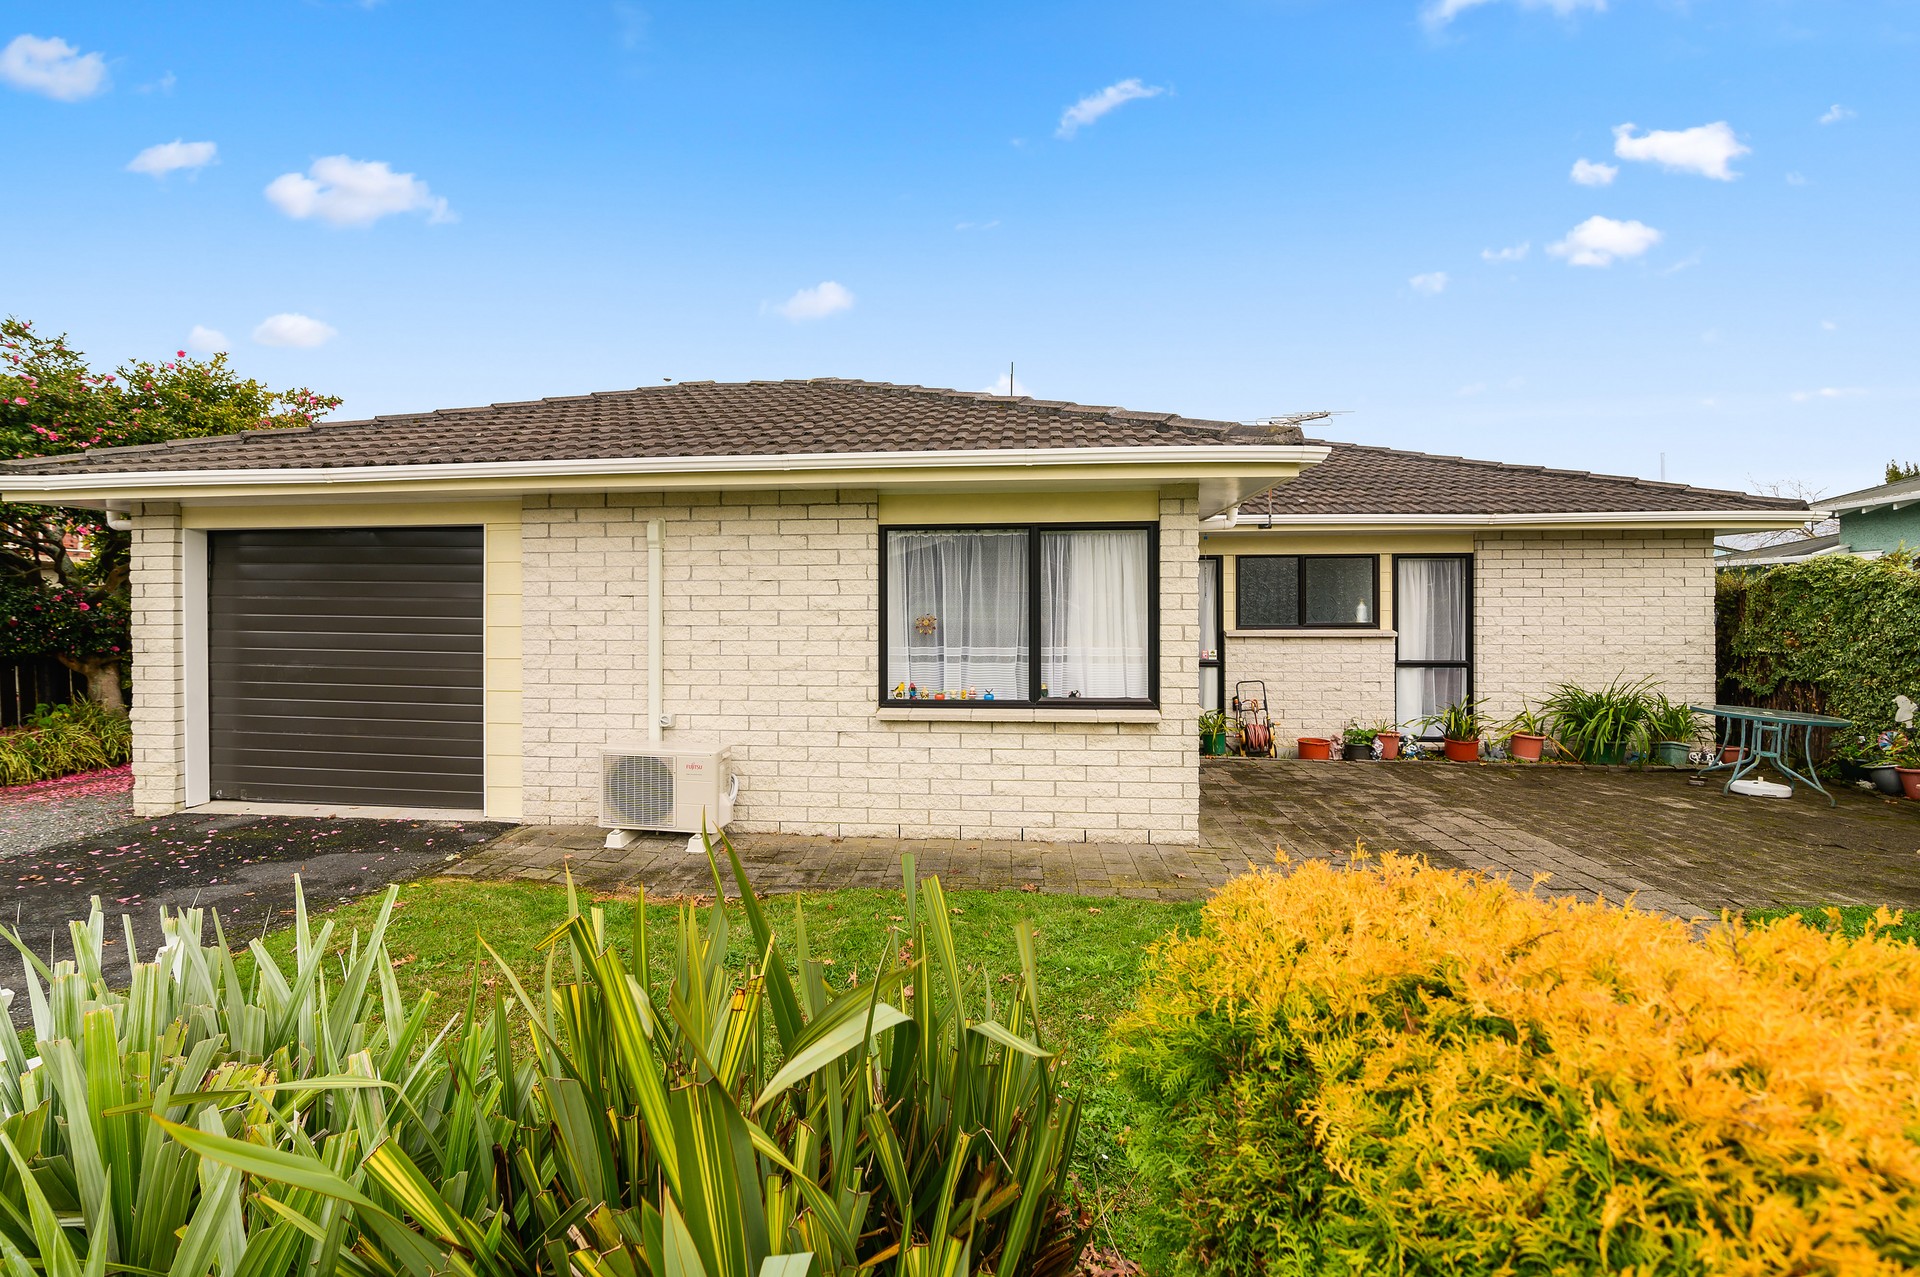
(346,666)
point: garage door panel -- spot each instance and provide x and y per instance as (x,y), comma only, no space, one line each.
(347,666)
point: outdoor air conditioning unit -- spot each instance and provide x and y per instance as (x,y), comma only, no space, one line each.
(671,788)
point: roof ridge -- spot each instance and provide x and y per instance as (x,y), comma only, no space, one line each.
(1529,468)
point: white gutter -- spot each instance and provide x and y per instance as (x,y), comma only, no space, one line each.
(656,628)
(1246,457)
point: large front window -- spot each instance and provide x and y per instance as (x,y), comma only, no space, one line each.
(1017,616)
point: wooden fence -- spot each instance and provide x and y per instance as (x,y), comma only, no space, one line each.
(30,683)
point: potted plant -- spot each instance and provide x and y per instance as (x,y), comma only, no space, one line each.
(1213,733)
(1673,729)
(1868,759)
(1389,735)
(1317,748)
(1356,742)
(1905,754)
(1605,726)
(1459,725)
(1526,734)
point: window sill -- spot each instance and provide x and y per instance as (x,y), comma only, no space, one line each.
(1315,632)
(1010,714)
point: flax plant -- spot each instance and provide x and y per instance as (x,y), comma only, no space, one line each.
(603,1123)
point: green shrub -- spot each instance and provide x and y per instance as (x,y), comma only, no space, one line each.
(1402,1070)
(599,1125)
(1834,634)
(62,740)
(1603,726)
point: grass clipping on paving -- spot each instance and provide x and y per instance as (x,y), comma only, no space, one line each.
(1413,1070)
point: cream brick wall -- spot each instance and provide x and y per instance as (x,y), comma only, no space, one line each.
(772,646)
(159,695)
(1315,685)
(1590,608)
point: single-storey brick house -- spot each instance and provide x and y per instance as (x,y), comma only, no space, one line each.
(907,611)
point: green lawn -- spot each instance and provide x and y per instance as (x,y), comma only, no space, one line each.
(1091,953)
(1853,920)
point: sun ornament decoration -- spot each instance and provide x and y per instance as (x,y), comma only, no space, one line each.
(926,625)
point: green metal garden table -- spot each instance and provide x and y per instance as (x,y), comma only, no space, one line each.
(1766,736)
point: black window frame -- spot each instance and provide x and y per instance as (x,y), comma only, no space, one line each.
(1300,586)
(1399,664)
(1034,532)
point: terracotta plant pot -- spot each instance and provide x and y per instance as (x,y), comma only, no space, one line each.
(1317,748)
(1461,751)
(1732,753)
(1525,746)
(1389,744)
(1910,781)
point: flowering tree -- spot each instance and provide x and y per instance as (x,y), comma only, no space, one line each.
(64,573)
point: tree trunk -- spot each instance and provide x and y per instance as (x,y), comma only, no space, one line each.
(103,681)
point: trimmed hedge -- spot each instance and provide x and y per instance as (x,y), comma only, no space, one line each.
(1835,634)
(1409,1070)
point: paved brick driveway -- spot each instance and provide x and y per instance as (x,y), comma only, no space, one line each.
(1680,848)
(1684,849)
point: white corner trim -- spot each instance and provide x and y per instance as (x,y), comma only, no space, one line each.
(193,664)
(1250,457)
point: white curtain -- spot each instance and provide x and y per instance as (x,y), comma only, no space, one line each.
(1094,606)
(957,613)
(1209,609)
(1430,609)
(1430,612)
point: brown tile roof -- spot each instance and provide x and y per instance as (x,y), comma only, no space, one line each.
(696,418)
(1357,479)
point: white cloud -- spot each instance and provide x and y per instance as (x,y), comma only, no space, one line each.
(1441,12)
(1837,113)
(825,298)
(168,157)
(1796,179)
(206,341)
(1001,386)
(1094,105)
(1430,283)
(1587,173)
(1471,389)
(1705,149)
(292,329)
(1512,253)
(52,68)
(1827,325)
(1600,241)
(1826,392)
(976,226)
(347,192)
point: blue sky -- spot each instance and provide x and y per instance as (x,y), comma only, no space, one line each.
(1256,208)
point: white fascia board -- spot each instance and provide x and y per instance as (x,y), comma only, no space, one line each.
(1728,519)
(1173,459)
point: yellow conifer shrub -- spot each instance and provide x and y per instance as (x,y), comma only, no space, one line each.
(1398,1069)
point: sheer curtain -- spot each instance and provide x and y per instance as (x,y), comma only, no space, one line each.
(1093,614)
(1209,609)
(957,613)
(1430,612)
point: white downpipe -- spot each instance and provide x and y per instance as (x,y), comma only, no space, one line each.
(656,627)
